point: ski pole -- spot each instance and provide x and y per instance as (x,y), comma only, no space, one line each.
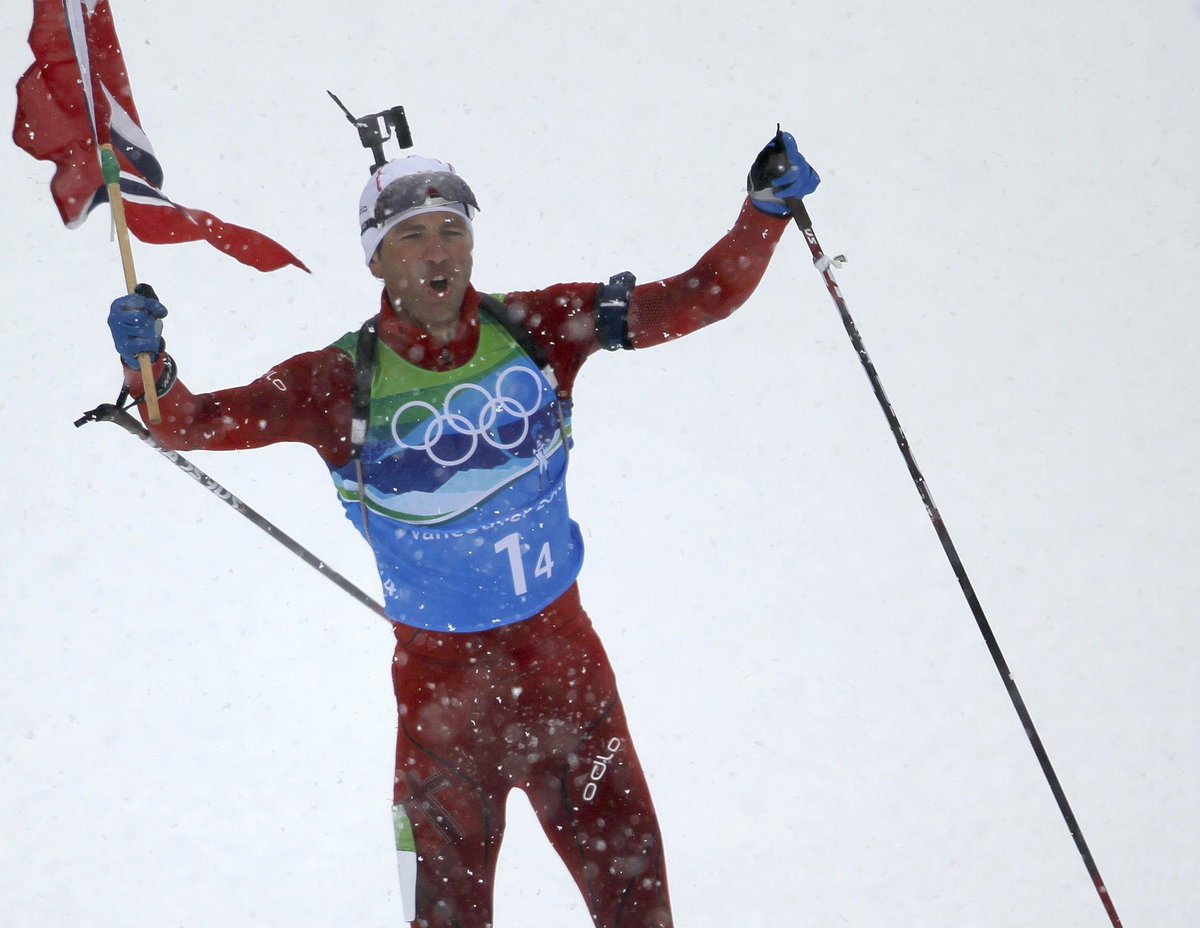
(823,263)
(107,412)
(111,171)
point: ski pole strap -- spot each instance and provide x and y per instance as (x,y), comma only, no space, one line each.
(364,373)
(612,311)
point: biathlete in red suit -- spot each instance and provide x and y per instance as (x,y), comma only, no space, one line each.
(501,681)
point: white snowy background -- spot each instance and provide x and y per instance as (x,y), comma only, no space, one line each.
(197,729)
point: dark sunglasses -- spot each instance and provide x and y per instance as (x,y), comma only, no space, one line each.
(417,190)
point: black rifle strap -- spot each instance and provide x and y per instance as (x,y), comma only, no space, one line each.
(364,373)
(504,314)
(517,330)
(360,408)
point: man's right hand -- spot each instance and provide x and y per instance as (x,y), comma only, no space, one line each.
(780,172)
(136,324)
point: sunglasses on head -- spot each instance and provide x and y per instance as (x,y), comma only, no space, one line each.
(429,188)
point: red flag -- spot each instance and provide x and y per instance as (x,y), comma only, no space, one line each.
(74,98)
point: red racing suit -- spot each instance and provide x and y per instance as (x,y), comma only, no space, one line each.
(530,705)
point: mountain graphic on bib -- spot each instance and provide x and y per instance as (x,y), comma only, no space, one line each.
(462,494)
(451,454)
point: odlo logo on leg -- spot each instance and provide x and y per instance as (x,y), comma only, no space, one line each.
(599,768)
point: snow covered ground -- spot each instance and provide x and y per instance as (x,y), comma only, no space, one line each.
(197,729)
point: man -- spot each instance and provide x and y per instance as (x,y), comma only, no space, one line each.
(450,456)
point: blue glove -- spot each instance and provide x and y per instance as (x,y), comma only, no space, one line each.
(780,171)
(136,324)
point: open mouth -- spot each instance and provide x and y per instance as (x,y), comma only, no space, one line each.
(439,284)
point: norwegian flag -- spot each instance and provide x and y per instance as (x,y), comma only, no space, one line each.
(76,97)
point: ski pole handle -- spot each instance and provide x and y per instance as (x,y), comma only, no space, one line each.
(799,211)
(111,171)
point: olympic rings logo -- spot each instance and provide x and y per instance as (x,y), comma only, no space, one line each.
(480,424)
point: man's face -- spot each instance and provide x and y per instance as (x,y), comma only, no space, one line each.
(425,263)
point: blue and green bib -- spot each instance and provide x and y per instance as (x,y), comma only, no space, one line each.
(464,472)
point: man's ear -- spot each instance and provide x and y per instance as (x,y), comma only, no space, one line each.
(374,266)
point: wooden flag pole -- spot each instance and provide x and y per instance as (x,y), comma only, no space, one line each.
(111,171)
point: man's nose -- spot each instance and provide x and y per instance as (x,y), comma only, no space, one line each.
(435,251)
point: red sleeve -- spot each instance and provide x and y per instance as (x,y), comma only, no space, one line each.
(720,282)
(305,399)
(562,317)
(562,320)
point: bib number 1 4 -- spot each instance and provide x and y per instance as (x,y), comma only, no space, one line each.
(511,545)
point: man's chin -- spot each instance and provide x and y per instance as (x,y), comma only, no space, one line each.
(435,309)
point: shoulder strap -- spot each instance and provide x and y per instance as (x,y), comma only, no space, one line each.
(504,314)
(360,409)
(364,373)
